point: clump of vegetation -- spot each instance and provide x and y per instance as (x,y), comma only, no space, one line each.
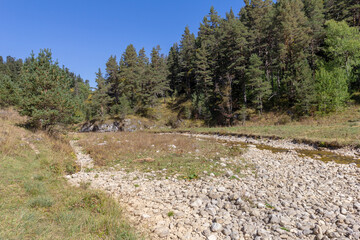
(269,206)
(170,214)
(285,229)
(34,188)
(167,155)
(41,201)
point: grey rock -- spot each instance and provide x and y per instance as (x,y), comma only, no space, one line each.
(357,206)
(261,205)
(307,232)
(212,237)
(213,195)
(285,221)
(343,211)
(255,213)
(229,173)
(249,229)
(197,203)
(235,235)
(206,232)
(274,219)
(226,231)
(215,227)
(162,232)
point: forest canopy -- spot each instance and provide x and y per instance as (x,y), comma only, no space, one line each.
(299,56)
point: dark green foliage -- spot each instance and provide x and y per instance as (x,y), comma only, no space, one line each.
(46,95)
(42,90)
(100,99)
(9,81)
(293,39)
(348,10)
(158,75)
(332,88)
(273,55)
(135,85)
(9,91)
(129,75)
(342,46)
(113,79)
(186,63)
(314,11)
(173,65)
(260,88)
(204,84)
(231,83)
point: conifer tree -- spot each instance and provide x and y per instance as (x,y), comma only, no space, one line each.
(46,97)
(204,83)
(144,101)
(260,88)
(186,62)
(305,87)
(208,38)
(159,73)
(113,80)
(259,19)
(129,75)
(9,91)
(232,63)
(173,65)
(293,40)
(348,10)
(101,100)
(314,11)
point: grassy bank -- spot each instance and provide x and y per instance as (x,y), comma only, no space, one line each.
(35,200)
(341,128)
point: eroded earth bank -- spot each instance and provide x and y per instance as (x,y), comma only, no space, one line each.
(283,195)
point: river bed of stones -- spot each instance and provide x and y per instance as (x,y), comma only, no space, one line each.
(282,196)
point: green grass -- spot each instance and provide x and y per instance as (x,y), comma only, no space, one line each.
(37,203)
(342,128)
(343,134)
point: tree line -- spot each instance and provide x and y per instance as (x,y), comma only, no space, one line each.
(299,56)
(44,91)
(296,55)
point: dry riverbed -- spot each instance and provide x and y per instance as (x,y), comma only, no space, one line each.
(257,193)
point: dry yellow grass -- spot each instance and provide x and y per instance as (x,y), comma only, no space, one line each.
(35,200)
(342,128)
(177,154)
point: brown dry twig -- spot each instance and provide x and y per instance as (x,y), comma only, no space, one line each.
(142,160)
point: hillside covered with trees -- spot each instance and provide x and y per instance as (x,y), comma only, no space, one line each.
(295,56)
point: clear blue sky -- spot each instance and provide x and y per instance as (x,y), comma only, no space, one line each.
(83,34)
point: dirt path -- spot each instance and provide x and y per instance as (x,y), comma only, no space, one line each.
(32,146)
(84,160)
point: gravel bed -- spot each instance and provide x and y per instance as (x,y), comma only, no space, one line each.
(283,196)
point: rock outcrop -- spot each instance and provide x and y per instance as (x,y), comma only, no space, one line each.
(125,125)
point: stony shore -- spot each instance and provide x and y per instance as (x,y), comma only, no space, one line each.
(279,143)
(281,196)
